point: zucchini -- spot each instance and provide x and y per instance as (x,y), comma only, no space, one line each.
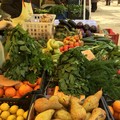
(103,39)
(91,38)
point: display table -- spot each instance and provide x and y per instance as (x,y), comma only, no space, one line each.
(90,22)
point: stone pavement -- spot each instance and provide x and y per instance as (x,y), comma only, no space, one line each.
(108,16)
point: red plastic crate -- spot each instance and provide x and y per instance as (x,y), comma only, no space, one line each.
(114,36)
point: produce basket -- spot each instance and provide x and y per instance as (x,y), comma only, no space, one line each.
(38,28)
(102,105)
(31,114)
(114,36)
(23,103)
(109,115)
(22,88)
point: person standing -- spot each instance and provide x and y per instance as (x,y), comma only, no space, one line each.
(20,10)
(94,5)
(12,7)
(108,2)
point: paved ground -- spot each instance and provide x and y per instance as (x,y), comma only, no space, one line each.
(108,16)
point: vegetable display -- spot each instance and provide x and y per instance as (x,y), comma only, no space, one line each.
(77,75)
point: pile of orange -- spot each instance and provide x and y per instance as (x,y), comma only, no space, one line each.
(19,90)
(115,109)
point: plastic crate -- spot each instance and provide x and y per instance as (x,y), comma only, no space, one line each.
(24,102)
(106,103)
(38,29)
(114,36)
(102,105)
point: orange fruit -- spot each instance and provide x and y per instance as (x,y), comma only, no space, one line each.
(39,80)
(18,85)
(1,92)
(5,87)
(37,87)
(10,92)
(24,89)
(116,115)
(111,109)
(116,105)
(16,96)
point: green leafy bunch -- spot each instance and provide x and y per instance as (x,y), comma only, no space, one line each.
(69,73)
(26,60)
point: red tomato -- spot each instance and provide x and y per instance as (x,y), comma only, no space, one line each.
(76,44)
(66,47)
(71,46)
(118,72)
(71,43)
(61,49)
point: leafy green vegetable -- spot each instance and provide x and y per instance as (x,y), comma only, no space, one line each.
(27,62)
(68,73)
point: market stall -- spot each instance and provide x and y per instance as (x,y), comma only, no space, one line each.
(62,68)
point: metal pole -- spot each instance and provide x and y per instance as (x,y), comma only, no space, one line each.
(84,9)
(90,9)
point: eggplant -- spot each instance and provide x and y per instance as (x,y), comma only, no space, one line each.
(86,27)
(88,33)
(93,29)
(79,25)
(72,23)
(64,22)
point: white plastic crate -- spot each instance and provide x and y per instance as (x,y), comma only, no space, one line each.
(37,28)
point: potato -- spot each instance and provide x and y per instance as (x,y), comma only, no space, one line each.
(98,114)
(46,115)
(62,114)
(77,111)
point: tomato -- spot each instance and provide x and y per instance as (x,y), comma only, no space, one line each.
(118,72)
(71,43)
(76,44)
(66,47)
(71,46)
(61,49)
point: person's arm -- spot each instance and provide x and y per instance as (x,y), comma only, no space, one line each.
(6,6)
